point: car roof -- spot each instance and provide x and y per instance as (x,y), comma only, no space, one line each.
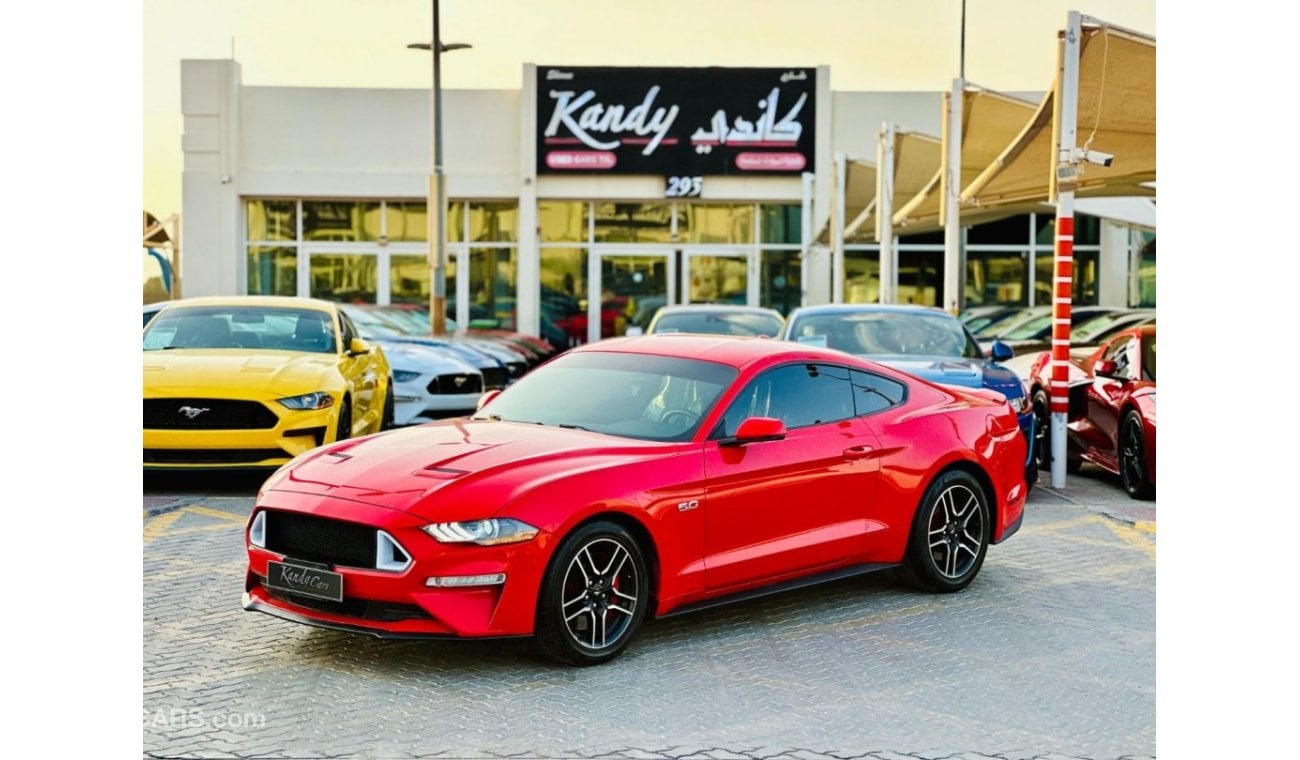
(732,350)
(283,302)
(863,308)
(718,307)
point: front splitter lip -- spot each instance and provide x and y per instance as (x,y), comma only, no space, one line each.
(253,605)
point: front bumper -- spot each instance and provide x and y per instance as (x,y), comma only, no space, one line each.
(294,433)
(400,604)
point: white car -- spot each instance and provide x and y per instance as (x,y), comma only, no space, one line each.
(429,383)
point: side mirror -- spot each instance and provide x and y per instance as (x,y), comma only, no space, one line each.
(486,398)
(756,430)
(1104,368)
(358,347)
(1000,351)
(633,331)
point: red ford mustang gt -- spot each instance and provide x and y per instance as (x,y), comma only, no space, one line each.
(1112,417)
(639,478)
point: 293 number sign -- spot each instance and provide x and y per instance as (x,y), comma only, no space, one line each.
(684,187)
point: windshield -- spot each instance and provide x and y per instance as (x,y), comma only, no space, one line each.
(371,326)
(264,327)
(888,333)
(1031,329)
(652,398)
(719,323)
(1090,328)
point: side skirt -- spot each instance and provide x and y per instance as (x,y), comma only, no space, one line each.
(777,588)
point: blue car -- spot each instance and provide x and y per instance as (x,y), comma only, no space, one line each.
(923,341)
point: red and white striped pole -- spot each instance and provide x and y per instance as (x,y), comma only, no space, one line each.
(1065,179)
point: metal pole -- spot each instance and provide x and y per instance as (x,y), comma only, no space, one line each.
(805,235)
(885,214)
(837,228)
(962,70)
(950,185)
(437,203)
(1067,95)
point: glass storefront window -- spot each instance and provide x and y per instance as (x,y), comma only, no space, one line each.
(782,224)
(346,221)
(717,223)
(564,296)
(861,276)
(407,221)
(779,284)
(493,222)
(562,221)
(345,277)
(272,220)
(409,278)
(633,222)
(1085,278)
(1087,229)
(997,277)
(1146,273)
(1009,231)
(272,271)
(718,279)
(492,282)
(920,277)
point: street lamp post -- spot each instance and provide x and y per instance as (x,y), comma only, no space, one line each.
(437,203)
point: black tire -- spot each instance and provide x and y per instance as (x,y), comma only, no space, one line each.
(951,561)
(588,570)
(386,419)
(1133,459)
(344,430)
(1042,431)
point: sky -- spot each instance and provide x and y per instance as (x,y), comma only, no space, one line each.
(869,45)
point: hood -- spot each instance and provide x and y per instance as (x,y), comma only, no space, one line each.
(414,357)
(959,371)
(279,373)
(468,354)
(458,469)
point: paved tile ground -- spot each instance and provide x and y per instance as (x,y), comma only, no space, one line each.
(1049,654)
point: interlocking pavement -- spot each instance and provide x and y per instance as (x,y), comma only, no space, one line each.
(1049,654)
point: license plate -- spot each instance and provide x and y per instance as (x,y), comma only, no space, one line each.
(305,581)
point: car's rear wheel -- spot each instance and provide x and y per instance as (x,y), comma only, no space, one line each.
(594,596)
(950,534)
(1132,459)
(345,420)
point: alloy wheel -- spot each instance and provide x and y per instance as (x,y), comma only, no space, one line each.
(599,598)
(956,528)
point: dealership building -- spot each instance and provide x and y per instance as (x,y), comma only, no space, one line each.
(589,197)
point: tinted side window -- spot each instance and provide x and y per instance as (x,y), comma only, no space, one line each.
(1124,354)
(871,393)
(797,394)
(348,329)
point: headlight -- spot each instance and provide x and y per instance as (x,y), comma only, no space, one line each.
(317,400)
(1019,405)
(482,532)
(403,376)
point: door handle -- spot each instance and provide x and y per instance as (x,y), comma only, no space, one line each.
(858,452)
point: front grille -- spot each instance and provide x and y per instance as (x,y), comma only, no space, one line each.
(456,384)
(384,612)
(494,377)
(206,414)
(211,456)
(320,539)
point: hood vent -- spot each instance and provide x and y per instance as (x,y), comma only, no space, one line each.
(442,473)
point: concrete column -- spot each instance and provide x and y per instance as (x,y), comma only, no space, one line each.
(1113,265)
(215,262)
(529,282)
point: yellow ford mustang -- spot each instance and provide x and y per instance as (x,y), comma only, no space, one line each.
(253,381)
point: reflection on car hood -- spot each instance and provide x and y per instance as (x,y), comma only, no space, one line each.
(955,370)
(192,370)
(450,470)
(414,357)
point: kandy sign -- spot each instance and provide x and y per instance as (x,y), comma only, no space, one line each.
(675,121)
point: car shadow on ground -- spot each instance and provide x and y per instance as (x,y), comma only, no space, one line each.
(206,482)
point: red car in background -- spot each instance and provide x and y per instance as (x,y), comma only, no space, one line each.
(638,478)
(1112,415)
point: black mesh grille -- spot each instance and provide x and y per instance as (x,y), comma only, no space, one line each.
(494,377)
(320,539)
(456,384)
(206,414)
(212,456)
(386,612)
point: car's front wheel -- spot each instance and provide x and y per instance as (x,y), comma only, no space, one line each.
(594,596)
(950,534)
(386,417)
(344,431)
(1132,459)
(1042,426)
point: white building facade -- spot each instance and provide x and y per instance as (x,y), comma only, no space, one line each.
(573,218)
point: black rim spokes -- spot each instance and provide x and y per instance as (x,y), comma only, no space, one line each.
(955,532)
(1130,454)
(599,593)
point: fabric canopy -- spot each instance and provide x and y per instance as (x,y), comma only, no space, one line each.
(916,156)
(1116,115)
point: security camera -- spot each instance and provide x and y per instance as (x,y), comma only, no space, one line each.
(1097,157)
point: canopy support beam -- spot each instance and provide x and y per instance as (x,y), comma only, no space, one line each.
(954,271)
(885,214)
